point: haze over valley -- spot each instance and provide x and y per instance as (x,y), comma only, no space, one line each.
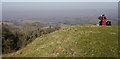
(60,12)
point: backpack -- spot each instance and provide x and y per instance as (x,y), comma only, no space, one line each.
(108,23)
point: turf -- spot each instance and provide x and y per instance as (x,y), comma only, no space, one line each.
(74,41)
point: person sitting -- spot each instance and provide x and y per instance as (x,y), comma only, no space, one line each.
(102,19)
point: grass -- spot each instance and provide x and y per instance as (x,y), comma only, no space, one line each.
(74,41)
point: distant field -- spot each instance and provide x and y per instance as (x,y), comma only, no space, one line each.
(74,41)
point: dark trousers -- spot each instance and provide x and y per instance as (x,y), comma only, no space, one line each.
(100,22)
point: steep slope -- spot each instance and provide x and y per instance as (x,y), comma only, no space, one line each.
(76,41)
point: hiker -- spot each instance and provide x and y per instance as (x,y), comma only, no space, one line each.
(102,19)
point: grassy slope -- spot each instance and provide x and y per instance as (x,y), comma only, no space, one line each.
(77,41)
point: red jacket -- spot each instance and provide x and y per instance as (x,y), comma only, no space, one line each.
(103,20)
(100,18)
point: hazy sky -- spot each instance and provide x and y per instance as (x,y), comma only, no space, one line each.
(0,11)
(58,9)
(60,0)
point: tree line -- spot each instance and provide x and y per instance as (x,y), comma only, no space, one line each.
(14,38)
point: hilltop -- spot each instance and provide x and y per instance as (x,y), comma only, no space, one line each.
(74,41)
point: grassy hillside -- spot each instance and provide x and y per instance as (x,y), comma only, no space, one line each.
(74,41)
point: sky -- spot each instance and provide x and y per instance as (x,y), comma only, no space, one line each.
(58,9)
(0,11)
(60,0)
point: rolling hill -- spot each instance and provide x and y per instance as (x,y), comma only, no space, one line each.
(74,41)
